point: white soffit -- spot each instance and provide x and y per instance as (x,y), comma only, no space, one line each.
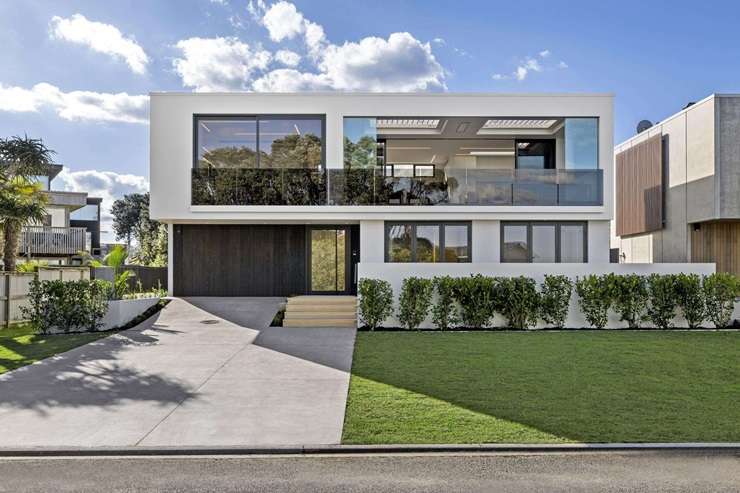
(510,124)
(408,123)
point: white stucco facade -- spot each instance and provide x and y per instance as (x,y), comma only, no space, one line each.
(172,158)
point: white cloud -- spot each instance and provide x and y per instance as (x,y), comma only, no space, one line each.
(530,64)
(439,41)
(527,65)
(107,185)
(315,38)
(256,9)
(400,63)
(76,105)
(218,64)
(290,80)
(283,21)
(100,37)
(287,57)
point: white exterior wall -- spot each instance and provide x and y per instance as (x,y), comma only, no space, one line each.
(171,150)
(171,161)
(396,273)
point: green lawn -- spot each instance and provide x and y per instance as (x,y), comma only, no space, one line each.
(507,387)
(20,346)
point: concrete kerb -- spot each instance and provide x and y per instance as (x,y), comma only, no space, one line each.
(732,448)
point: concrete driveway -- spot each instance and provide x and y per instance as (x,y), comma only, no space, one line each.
(204,371)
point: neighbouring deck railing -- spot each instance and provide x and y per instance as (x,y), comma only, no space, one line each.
(48,240)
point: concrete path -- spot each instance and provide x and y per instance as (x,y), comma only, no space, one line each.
(204,371)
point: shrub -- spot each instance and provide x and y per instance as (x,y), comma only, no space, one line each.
(662,299)
(444,311)
(376,301)
(690,298)
(67,305)
(594,299)
(629,295)
(519,301)
(555,300)
(720,291)
(415,300)
(476,297)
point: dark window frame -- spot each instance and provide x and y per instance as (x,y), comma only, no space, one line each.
(558,246)
(348,266)
(441,224)
(197,117)
(392,167)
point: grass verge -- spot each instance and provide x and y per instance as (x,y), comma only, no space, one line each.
(20,345)
(544,387)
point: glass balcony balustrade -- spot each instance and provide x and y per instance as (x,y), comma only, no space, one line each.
(371,186)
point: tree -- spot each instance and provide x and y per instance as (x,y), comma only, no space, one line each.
(21,201)
(131,220)
(126,213)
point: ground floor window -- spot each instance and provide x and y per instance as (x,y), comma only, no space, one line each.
(544,242)
(427,242)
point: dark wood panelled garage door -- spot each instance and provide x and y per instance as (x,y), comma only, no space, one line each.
(239,260)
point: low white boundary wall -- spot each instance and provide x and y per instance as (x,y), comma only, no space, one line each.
(395,273)
(121,312)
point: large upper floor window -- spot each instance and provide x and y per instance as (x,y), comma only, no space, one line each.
(260,141)
(427,242)
(581,143)
(544,242)
(87,213)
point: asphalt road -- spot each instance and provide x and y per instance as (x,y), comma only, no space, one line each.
(552,472)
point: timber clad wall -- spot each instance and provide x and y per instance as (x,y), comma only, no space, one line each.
(639,183)
(717,241)
(239,260)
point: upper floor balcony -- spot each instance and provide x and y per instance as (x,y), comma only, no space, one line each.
(247,186)
(453,161)
(52,241)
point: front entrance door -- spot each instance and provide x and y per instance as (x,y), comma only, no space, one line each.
(329,260)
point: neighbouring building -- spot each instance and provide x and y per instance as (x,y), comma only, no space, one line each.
(283,194)
(678,188)
(72,225)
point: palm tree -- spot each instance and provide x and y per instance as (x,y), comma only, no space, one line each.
(21,202)
(21,158)
(116,259)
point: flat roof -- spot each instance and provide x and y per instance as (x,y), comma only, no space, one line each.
(382,94)
(681,112)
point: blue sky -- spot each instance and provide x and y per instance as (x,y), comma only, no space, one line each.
(654,56)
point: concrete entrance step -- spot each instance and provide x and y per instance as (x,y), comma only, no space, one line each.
(322,300)
(321,311)
(348,323)
(292,315)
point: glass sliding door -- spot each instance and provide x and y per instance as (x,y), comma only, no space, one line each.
(328,251)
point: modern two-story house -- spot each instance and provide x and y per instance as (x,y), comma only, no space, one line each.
(72,225)
(678,188)
(284,194)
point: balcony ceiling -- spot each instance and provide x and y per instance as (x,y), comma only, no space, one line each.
(466,127)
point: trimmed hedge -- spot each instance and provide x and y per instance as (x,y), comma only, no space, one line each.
(67,306)
(376,301)
(472,302)
(415,300)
